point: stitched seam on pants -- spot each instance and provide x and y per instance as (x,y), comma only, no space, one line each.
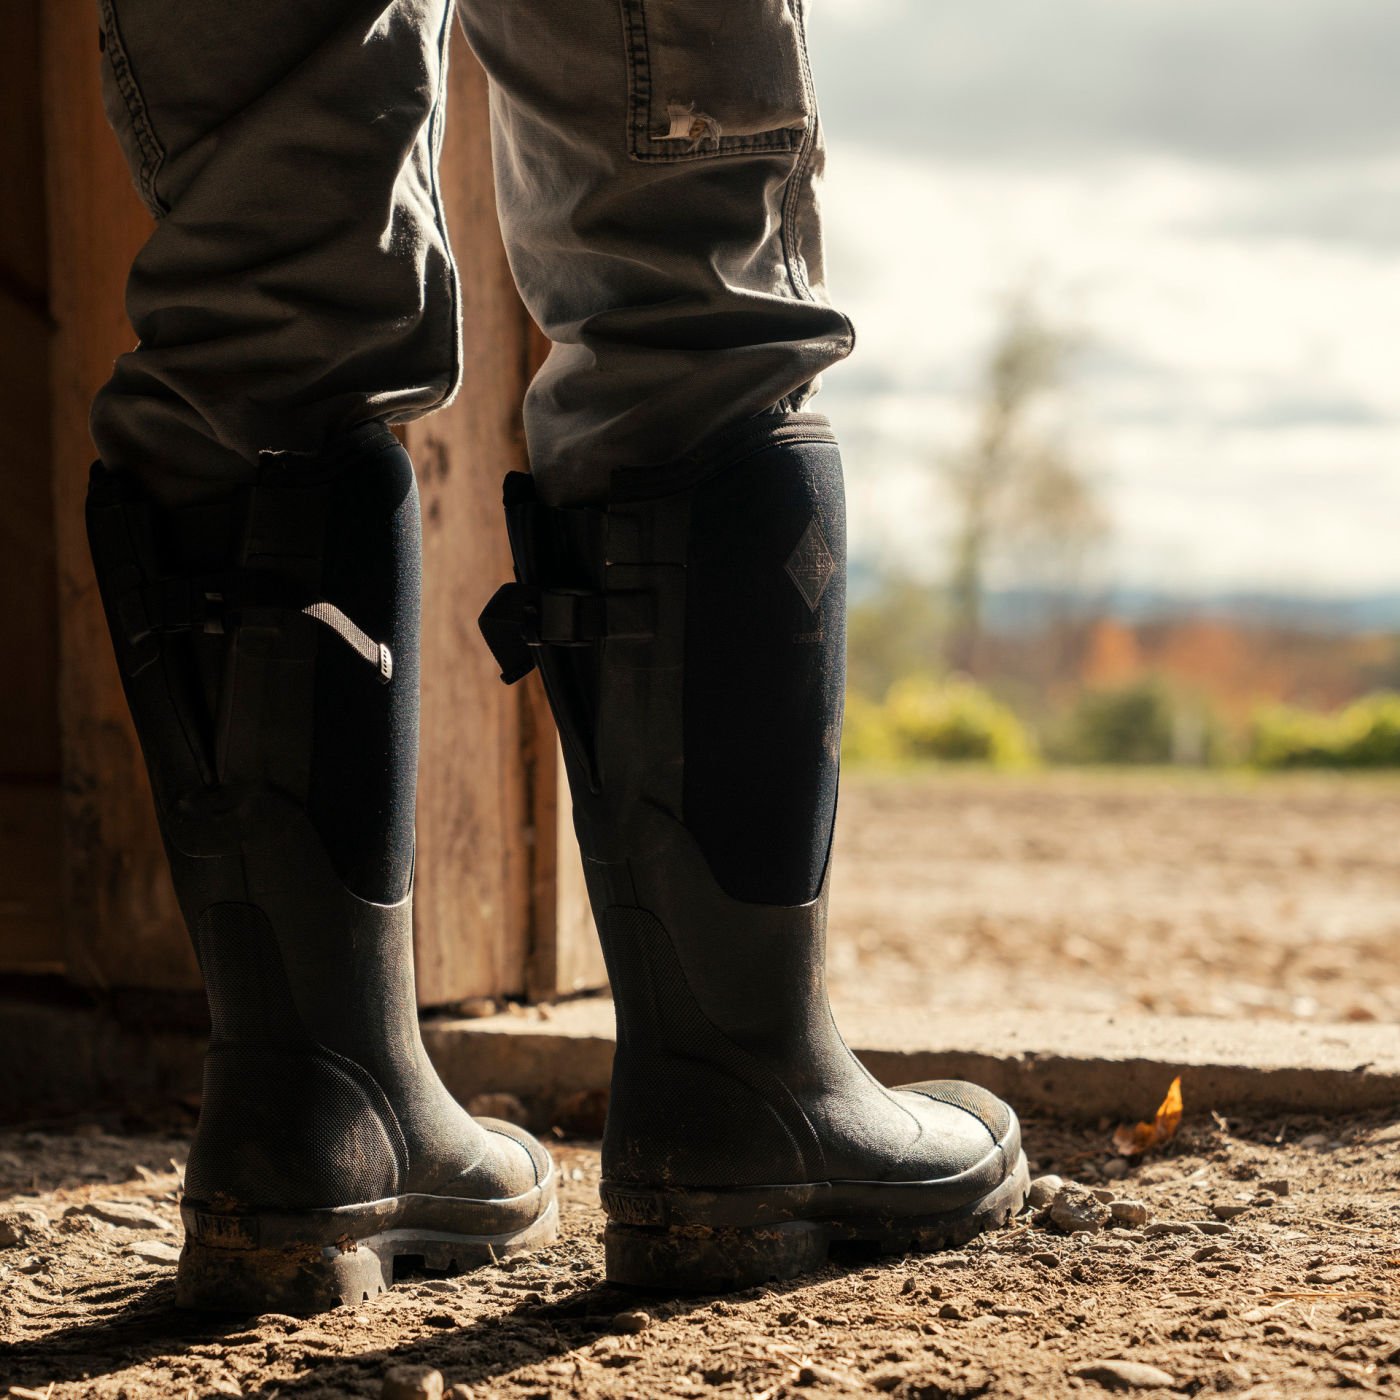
(792,253)
(435,138)
(642,145)
(152,152)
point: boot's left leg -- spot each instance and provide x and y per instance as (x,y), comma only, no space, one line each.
(268,645)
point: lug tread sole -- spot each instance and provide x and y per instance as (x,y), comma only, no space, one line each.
(695,1258)
(310,1278)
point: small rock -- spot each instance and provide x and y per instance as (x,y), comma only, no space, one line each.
(474,1008)
(1314,1140)
(155,1251)
(1076,1210)
(1208,1251)
(122,1214)
(1116,1168)
(950,1261)
(1051,1261)
(632,1321)
(412,1383)
(1277,1187)
(1334,1273)
(1226,1211)
(462,1391)
(506,1106)
(1010,1310)
(1043,1190)
(1212,1227)
(1128,1212)
(812,1374)
(1172,1227)
(951,1311)
(1124,1375)
(21,1225)
(1103,1193)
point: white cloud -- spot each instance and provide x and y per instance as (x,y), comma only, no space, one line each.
(1238,396)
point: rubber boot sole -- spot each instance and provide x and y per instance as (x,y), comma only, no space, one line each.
(700,1248)
(311,1261)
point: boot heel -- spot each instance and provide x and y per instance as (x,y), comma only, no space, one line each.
(698,1259)
(308,1279)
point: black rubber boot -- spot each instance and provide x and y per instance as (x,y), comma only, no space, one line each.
(692,639)
(269,649)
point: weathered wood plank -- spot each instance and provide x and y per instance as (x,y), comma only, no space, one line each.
(28,698)
(476,822)
(123,926)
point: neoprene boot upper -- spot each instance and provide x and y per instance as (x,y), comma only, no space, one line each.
(268,645)
(690,635)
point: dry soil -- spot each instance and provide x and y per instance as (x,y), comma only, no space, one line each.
(1295,1293)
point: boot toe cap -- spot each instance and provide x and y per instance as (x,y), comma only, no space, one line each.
(514,1164)
(966,1126)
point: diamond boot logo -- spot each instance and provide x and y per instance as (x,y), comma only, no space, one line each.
(810,566)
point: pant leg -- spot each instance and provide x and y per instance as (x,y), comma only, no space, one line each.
(298,280)
(656,168)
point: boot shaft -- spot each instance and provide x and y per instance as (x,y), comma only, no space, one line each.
(268,645)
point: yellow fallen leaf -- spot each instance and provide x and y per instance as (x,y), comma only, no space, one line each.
(1143,1137)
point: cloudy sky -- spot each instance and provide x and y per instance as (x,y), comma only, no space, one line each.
(1208,192)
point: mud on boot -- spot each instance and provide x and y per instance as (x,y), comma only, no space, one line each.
(690,633)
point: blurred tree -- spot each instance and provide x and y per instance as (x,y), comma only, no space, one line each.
(1015,486)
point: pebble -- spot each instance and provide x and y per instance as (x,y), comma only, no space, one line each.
(1171,1227)
(1051,1261)
(155,1251)
(951,1311)
(812,1374)
(1116,1169)
(1009,1310)
(1076,1210)
(1212,1227)
(1224,1211)
(1102,1193)
(412,1383)
(21,1225)
(1043,1190)
(1128,1212)
(1208,1251)
(632,1321)
(120,1213)
(506,1106)
(1125,1375)
(1277,1187)
(1335,1273)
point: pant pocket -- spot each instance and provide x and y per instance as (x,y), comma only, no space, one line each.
(126,111)
(715,77)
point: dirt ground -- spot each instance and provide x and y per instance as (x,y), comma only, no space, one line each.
(1295,1293)
(1184,895)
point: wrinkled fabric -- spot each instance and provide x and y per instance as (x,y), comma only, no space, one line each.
(656,168)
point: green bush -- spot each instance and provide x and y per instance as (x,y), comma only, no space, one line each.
(923,718)
(1365,734)
(1131,724)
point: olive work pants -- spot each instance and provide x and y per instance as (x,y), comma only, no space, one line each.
(655,163)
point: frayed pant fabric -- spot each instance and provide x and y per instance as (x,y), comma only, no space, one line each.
(656,168)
